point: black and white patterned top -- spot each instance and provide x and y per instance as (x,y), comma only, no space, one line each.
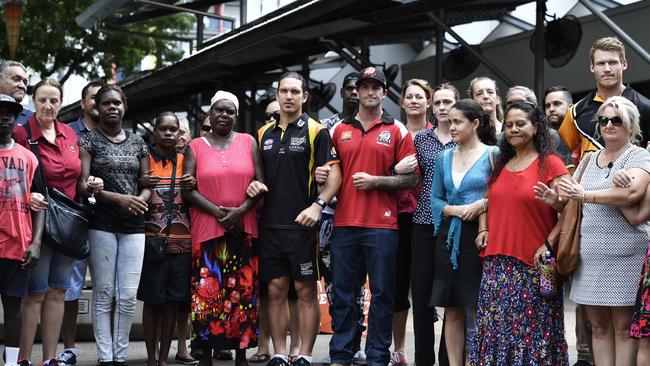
(427,148)
(611,250)
(118,165)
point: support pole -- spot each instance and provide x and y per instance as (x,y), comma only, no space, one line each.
(440,49)
(617,30)
(540,48)
(498,73)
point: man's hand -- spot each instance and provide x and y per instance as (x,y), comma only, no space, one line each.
(363,181)
(321,173)
(31,255)
(256,188)
(37,202)
(309,216)
(407,165)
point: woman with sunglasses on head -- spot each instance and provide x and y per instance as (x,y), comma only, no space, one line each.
(515,325)
(611,249)
(459,184)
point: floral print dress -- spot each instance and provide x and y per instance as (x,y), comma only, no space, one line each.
(641,320)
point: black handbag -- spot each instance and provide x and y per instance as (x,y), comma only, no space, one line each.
(155,247)
(66,221)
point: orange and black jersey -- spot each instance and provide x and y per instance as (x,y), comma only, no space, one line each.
(290,156)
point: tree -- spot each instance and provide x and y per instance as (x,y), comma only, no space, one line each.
(51,41)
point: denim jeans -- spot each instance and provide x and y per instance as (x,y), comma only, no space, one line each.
(52,270)
(377,248)
(115,266)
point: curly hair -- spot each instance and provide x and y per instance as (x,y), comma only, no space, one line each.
(542,139)
(486,131)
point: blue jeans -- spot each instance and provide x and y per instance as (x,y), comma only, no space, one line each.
(52,270)
(378,249)
(115,266)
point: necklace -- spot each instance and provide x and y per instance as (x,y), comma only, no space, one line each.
(114,139)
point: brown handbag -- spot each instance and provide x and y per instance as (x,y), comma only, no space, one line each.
(565,236)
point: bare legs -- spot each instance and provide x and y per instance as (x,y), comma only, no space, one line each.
(610,327)
(49,308)
(154,315)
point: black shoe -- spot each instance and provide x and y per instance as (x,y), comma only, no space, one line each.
(277,361)
(107,363)
(300,361)
(116,363)
(582,363)
(223,355)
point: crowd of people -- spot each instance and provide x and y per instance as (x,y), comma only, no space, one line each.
(457,207)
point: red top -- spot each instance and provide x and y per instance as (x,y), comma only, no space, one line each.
(222,177)
(60,160)
(17,167)
(375,152)
(407,199)
(518,223)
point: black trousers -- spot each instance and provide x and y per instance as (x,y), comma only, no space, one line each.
(422,269)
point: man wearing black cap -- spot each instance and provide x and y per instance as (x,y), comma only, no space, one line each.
(19,249)
(369,144)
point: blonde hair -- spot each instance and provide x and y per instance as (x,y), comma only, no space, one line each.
(628,113)
(607,44)
(416,82)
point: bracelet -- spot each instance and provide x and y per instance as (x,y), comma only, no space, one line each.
(480,231)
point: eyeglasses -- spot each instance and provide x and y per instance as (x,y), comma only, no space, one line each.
(206,128)
(270,115)
(604,120)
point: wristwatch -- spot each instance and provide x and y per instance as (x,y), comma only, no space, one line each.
(321,202)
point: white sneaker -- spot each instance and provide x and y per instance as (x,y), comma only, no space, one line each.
(327,360)
(359,358)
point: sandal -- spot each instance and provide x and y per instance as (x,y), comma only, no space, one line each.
(262,358)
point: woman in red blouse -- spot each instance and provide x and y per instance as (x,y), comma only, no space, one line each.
(515,325)
(59,162)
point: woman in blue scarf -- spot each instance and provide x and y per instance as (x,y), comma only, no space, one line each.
(459,183)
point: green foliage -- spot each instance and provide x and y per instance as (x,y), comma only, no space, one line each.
(51,41)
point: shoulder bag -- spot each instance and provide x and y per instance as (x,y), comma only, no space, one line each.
(66,221)
(566,233)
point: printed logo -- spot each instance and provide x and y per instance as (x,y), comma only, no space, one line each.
(369,73)
(72,148)
(298,141)
(268,142)
(346,136)
(384,138)
(300,123)
(387,213)
(333,152)
(306,269)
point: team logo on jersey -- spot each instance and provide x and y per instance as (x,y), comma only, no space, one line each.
(384,138)
(268,144)
(346,136)
(297,144)
(300,123)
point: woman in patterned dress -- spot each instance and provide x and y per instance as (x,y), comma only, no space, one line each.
(515,325)
(224,232)
(611,249)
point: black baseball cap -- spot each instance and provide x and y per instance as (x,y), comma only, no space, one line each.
(351,76)
(10,102)
(372,73)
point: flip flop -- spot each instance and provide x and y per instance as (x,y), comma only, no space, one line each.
(264,357)
(186,361)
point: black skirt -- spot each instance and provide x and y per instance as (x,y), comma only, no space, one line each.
(454,288)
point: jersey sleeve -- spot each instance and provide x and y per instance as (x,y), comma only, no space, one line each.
(568,131)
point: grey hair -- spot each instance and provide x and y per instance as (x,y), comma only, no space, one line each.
(628,113)
(6,64)
(529,94)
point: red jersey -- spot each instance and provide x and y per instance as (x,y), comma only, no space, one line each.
(375,151)
(518,223)
(17,167)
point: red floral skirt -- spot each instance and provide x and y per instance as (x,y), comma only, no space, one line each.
(225,293)
(641,320)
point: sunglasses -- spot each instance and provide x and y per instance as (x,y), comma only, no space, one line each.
(604,120)
(269,116)
(206,128)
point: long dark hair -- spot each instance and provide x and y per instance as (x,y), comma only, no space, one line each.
(107,88)
(542,139)
(486,131)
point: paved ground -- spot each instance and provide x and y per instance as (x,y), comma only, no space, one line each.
(138,355)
